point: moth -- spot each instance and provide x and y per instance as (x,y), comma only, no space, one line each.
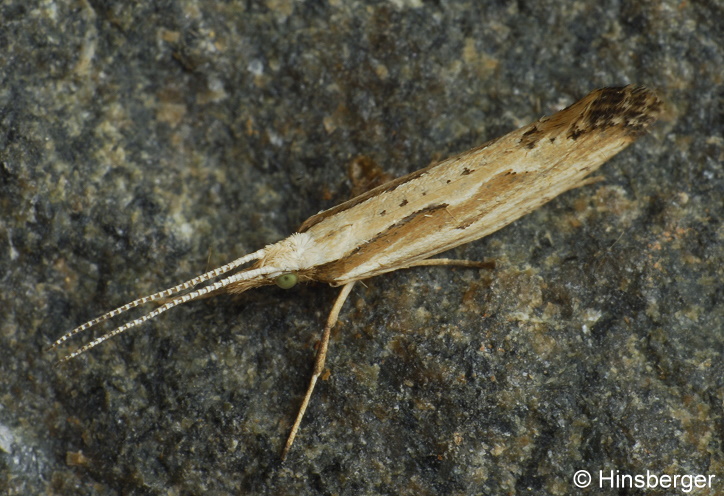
(404,222)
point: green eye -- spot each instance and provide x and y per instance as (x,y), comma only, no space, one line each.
(286,281)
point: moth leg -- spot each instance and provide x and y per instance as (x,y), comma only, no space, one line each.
(587,181)
(318,363)
(453,262)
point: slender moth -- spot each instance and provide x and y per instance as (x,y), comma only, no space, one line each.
(402,223)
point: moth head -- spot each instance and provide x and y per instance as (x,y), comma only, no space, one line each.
(283,263)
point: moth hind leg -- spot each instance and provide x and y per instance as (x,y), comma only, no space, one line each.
(453,262)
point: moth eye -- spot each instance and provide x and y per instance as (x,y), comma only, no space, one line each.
(286,281)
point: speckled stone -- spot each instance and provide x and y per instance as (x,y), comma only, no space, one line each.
(141,143)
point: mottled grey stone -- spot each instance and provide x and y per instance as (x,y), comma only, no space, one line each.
(141,143)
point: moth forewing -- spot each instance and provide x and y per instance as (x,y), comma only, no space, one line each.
(403,222)
(477,192)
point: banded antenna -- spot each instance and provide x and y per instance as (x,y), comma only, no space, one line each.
(177,300)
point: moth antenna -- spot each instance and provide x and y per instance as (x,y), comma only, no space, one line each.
(161,294)
(241,276)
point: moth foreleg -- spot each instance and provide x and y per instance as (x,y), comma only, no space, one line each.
(318,363)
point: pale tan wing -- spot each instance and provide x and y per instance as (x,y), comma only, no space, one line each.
(477,192)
